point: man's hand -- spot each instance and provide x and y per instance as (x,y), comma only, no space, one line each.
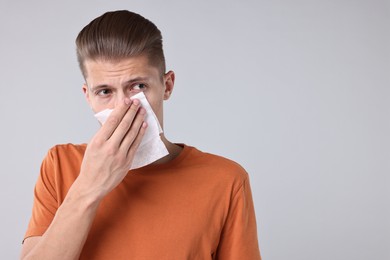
(107,160)
(109,155)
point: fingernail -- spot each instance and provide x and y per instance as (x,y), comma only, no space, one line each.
(136,102)
(127,101)
(142,111)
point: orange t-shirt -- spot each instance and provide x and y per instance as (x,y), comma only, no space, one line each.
(197,206)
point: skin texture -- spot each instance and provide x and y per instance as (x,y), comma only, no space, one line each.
(109,153)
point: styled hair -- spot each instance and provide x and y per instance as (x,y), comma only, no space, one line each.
(118,35)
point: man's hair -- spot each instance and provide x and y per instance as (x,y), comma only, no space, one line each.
(118,35)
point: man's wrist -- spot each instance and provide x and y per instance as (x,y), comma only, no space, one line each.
(84,195)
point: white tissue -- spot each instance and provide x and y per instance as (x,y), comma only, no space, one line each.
(152,147)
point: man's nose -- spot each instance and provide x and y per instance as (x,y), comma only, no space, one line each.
(119,97)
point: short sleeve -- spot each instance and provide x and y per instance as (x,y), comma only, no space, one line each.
(45,202)
(239,235)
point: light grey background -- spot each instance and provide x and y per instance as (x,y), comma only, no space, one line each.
(295,91)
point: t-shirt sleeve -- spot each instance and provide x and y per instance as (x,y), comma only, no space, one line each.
(239,235)
(45,199)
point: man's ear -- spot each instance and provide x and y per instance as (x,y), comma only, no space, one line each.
(169,82)
(86,94)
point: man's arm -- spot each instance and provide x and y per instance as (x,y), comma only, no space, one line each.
(239,235)
(107,159)
(66,235)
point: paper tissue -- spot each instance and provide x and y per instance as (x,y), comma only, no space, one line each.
(152,147)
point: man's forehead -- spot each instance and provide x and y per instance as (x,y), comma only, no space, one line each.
(105,65)
(120,72)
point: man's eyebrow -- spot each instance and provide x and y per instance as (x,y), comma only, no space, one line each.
(98,87)
(126,83)
(137,79)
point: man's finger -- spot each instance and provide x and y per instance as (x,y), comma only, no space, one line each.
(114,119)
(134,147)
(133,132)
(126,124)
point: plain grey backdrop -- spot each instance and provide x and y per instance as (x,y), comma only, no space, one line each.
(297,92)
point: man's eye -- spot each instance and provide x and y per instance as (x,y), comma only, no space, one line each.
(139,87)
(104,92)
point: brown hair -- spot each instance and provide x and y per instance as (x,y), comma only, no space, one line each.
(119,35)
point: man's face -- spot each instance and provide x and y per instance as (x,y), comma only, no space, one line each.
(108,83)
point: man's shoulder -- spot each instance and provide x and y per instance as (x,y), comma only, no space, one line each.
(68,148)
(219,164)
(67,151)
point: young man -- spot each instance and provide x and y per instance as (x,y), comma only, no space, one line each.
(89,205)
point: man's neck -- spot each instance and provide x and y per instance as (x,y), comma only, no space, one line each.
(173,149)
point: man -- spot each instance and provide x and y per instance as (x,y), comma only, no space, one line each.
(89,205)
